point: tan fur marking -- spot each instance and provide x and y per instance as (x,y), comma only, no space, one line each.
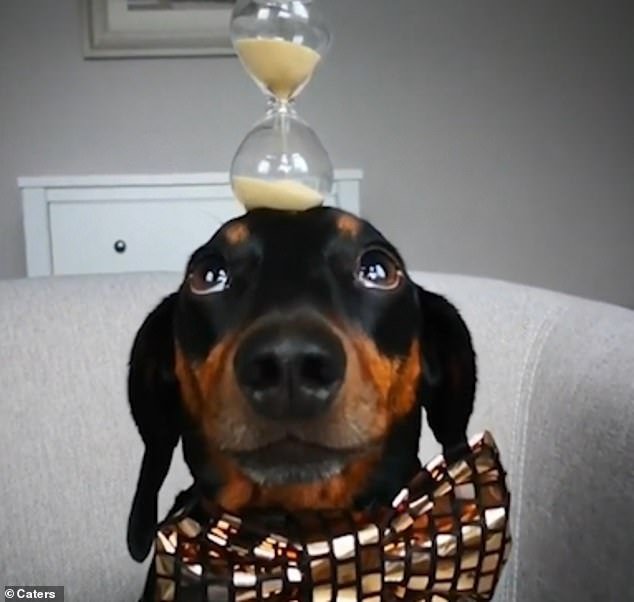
(395,379)
(405,388)
(380,370)
(189,388)
(348,225)
(237,233)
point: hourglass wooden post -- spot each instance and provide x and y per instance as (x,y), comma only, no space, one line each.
(281,163)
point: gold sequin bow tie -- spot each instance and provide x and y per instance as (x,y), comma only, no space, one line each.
(446,537)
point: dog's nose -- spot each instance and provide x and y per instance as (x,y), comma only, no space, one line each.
(290,372)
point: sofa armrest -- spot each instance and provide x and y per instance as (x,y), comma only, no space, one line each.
(556,388)
(574,534)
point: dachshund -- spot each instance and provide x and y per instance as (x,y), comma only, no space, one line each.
(293,363)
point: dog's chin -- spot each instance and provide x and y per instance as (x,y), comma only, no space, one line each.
(291,461)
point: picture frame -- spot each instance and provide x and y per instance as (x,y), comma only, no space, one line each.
(156,28)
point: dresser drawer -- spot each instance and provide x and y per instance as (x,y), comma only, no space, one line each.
(101,237)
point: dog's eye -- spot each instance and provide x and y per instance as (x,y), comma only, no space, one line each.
(209,276)
(379,270)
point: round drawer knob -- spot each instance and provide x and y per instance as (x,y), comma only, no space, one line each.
(120,246)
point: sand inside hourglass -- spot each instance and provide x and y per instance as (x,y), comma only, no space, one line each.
(282,67)
(275,194)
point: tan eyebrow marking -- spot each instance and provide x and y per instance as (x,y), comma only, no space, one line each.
(348,225)
(237,233)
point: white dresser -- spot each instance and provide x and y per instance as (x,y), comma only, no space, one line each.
(107,224)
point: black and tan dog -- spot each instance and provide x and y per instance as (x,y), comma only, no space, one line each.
(293,363)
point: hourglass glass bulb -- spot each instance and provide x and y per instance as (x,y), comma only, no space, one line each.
(281,164)
(280,43)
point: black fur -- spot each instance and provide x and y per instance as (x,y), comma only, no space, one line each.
(154,402)
(449,383)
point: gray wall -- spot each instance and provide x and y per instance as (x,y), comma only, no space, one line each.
(497,137)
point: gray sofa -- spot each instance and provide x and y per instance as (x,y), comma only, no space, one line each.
(556,389)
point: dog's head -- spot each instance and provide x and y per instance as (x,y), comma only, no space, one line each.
(293,363)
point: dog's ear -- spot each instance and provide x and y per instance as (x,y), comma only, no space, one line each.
(448,385)
(154,398)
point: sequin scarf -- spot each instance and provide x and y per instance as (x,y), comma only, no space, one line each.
(445,537)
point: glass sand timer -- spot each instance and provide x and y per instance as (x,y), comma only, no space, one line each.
(281,163)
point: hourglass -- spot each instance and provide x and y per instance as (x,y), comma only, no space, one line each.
(281,163)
